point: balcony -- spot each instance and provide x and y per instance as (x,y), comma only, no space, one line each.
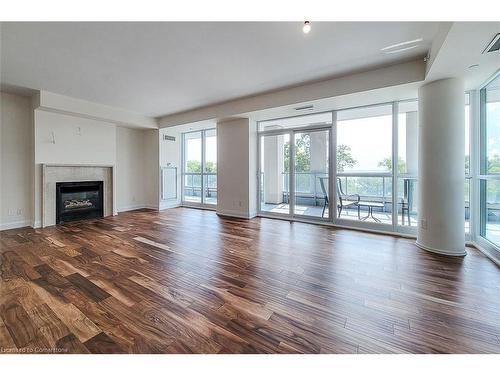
(310,199)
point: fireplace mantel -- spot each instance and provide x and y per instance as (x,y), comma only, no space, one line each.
(53,173)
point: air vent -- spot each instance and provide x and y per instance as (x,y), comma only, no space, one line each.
(305,108)
(168,138)
(494,45)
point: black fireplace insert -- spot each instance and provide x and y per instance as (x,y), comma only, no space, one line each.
(79,200)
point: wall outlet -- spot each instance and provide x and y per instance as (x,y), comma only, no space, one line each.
(423,224)
(10,212)
(19,211)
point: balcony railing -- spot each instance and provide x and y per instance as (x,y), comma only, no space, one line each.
(192,184)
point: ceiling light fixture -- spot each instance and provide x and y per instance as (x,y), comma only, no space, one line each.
(307,27)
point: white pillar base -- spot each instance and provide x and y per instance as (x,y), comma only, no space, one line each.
(460,253)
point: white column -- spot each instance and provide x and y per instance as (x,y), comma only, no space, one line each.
(411,143)
(441,167)
(318,145)
(273,169)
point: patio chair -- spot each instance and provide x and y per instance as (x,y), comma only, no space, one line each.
(345,200)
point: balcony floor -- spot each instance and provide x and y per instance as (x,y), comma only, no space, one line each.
(493,230)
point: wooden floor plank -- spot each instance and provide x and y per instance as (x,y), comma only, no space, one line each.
(189,281)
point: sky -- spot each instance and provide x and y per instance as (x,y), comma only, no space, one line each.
(193,149)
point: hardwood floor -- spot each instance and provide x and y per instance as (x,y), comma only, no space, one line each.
(188,281)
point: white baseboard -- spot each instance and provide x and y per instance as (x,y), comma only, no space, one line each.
(460,253)
(16,224)
(166,205)
(238,214)
(137,207)
(488,251)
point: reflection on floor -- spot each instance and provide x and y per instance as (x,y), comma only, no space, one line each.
(316,211)
(197,199)
(190,281)
(492,230)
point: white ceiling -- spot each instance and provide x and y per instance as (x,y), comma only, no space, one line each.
(162,68)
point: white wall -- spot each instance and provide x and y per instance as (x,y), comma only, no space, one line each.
(170,156)
(66,139)
(151,167)
(16,161)
(236,168)
(130,160)
(137,163)
(77,140)
(32,137)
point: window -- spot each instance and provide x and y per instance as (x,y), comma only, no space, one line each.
(364,164)
(407,171)
(200,167)
(376,180)
(490,162)
(467,163)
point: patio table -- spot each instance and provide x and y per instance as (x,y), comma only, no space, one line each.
(370,206)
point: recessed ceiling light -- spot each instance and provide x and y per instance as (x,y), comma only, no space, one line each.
(306,28)
(395,47)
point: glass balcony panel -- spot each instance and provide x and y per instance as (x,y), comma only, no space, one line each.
(210,190)
(365,198)
(491,211)
(192,188)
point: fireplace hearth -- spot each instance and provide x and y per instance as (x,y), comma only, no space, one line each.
(79,200)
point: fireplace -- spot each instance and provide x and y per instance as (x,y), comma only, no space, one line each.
(79,200)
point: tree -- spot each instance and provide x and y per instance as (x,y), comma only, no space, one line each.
(344,158)
(194,166)
(387,163)
(494,164)
(302,154)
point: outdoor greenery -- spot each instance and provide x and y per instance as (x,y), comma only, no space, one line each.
(303,155)
(387,164)
(494,164)
(194,166)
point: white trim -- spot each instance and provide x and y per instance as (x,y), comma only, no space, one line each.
(136,207)
(238,214)
(336,225)
(166,205)
(488,249)
(16,224)
(441,252)
(51,102)
(394,75)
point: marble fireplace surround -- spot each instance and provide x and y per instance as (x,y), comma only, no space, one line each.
(53,173)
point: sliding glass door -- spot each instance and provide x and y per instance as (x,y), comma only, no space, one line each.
(274,173)
(489,177)
(294,167)
(311,174)
(199,168)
